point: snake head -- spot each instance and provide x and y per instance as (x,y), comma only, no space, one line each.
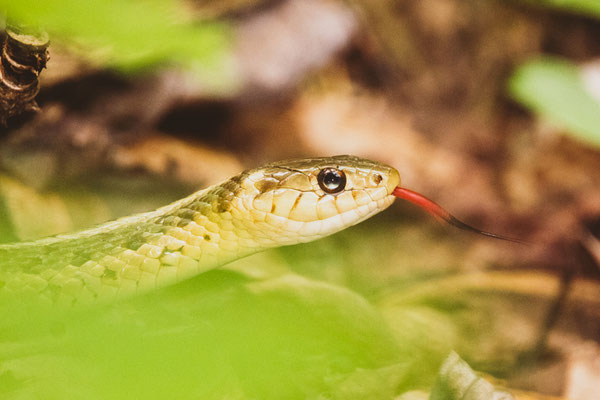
(301,200)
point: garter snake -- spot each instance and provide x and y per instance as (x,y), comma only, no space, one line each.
(281,203)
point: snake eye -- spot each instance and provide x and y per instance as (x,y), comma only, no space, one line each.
(331,180)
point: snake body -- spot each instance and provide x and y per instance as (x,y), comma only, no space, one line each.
(281,203)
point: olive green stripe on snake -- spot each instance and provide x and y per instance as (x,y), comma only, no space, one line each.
(281,203)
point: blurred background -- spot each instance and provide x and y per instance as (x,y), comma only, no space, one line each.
(489,107)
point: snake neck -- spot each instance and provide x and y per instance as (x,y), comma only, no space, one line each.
(129,255)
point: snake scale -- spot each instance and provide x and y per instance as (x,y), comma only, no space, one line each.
(281,203)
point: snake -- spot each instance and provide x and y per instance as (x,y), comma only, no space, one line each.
(281,203)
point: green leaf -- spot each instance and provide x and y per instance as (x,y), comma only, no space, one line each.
(585,7)
(128,34)
(554,88)
(458,381)
(222,335)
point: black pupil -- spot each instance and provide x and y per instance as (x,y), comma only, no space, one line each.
(332,179)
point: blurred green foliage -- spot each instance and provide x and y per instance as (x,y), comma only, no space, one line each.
(586,7)
(222,335)
(554,88)
(458,381)
(229,335)
(129,34)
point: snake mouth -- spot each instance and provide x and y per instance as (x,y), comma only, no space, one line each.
(393,181)
(441,214)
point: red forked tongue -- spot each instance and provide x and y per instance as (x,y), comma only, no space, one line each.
(437,211)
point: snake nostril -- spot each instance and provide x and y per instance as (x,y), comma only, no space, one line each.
(377,178)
